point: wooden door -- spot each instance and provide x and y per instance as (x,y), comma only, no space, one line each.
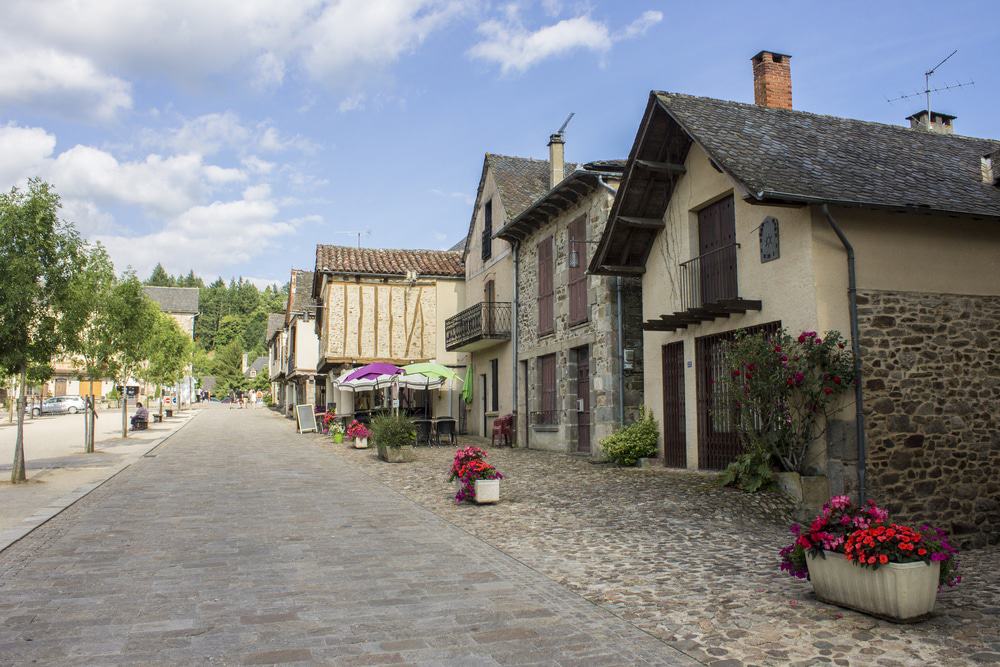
(582,400)
(674,437)
(716,248)
(489,298)
(486,433)
(60,387)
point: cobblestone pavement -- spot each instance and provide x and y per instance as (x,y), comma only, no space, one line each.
(690,563)
(238,541)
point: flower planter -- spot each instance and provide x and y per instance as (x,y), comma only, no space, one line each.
(403,454)
(898,592)
(487,491)
(360,443)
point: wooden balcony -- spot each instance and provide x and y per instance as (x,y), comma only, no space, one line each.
(479,327)
(709,289)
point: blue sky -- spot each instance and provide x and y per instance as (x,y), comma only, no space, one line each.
(230,137)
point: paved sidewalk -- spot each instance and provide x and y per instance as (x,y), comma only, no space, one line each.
(58,471)
(242,542)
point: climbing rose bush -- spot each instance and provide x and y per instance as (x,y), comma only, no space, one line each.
(782,389)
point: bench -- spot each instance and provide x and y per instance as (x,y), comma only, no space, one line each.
(140,425)
(157,419)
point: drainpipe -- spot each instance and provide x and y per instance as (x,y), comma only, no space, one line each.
(513,334)
(621,356)
(852,298)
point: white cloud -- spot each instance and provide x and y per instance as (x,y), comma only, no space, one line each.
(272,140)
(23,153)
(206,134)
(269,71)
(355,102)
(257,192)
(515,48)
(67,83)
(87,217)
(257,166)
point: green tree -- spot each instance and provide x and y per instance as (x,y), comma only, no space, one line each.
(38,256)
(231,328)
(131,322)
(160,278)
(87,323)
(229,368)
(169,353)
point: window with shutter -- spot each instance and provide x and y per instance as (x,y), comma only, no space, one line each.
(547,376)
(546,314)
(495,385)
(488,229)
(578,310)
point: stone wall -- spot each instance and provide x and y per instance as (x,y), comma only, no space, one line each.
(932,408)
(599,334)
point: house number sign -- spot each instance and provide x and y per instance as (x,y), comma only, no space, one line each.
(770,248)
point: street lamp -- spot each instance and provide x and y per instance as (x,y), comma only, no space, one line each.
(574,255)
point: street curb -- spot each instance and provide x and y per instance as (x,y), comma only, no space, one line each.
(11,537)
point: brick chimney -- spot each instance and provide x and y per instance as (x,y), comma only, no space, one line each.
(557,158)
(772,80)
(941,123)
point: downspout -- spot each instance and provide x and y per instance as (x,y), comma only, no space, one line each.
(513,335)
(621,356)
(852,298)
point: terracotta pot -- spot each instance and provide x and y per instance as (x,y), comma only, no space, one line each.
(898,592)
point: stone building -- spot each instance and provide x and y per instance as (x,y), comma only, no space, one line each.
(757,215)
(381,305)
(483,327)
(276,357)
(301,346)
(579,337)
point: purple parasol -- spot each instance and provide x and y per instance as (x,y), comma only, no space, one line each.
(372,371)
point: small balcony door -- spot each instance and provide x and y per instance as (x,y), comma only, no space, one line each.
(716,247)
(489,298)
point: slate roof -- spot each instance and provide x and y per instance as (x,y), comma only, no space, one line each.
(259,364)
(180,300)
(458,247)
(300,298)
(778,152)
(384,261)
(275,323)
(519,181)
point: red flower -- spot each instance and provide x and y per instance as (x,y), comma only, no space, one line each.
(883,559)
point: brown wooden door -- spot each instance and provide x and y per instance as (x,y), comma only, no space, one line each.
(582,400)
(60,387)
(716,247)
(674,436)
(489,298)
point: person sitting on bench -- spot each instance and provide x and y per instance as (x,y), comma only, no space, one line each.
(141,416)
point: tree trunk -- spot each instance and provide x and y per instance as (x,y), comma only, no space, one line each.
(91,420)
(159,390)
(17,473)
(124,411)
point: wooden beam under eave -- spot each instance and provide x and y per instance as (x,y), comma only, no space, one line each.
(653,325)
(642,223)
(666,167)
(631,270)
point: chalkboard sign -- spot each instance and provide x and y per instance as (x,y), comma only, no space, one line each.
(306,418)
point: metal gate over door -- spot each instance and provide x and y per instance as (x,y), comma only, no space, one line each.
(582,400)
(718,440)
(674,436)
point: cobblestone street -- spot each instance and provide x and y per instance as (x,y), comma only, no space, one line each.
(238,541)
(691,563)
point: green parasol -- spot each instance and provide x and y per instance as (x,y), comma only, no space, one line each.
(467,387)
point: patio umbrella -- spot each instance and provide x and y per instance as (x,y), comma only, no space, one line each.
(373,371)
(467,387)
(432,373)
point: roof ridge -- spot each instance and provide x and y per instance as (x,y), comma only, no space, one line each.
(750,105)
(356,249)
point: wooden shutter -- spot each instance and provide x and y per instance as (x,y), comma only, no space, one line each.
(547,375)
(578,307)
(716,247)
(488,229)
(546,315)
(495,385)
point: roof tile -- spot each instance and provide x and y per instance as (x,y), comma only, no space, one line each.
(385,261)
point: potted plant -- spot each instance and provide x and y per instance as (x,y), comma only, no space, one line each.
(636,441)
(463,456)
(359,433)
(479,482)
(856,558)
(337,431)
(394,437)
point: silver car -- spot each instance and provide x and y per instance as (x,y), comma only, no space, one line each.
(58,405)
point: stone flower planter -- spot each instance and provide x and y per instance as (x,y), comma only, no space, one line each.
(360,443)
(403,454)
(898,592)
(487,491)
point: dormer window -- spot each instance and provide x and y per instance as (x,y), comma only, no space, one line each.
(488,229)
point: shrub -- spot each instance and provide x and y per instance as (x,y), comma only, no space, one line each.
(393,431)
(751,471)
(637,440)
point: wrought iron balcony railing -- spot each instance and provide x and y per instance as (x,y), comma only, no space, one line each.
(478,327)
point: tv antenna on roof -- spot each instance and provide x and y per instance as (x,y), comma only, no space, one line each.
(928,90)
(366,232)
(563,127)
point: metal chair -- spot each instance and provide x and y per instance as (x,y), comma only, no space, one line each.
(446,429)
(423,427)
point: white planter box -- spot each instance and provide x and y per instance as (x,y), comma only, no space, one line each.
(487,491)
(900,592)
(361,443)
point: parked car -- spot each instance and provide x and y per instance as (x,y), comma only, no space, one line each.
(58,405)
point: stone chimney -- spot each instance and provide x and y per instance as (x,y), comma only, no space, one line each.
(991,168)
(941,123)
(557,158)
(772,80)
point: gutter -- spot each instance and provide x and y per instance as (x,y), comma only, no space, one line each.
(621,356)
(852,297)
(513,333)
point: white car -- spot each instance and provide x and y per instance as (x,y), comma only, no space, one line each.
(58,405)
